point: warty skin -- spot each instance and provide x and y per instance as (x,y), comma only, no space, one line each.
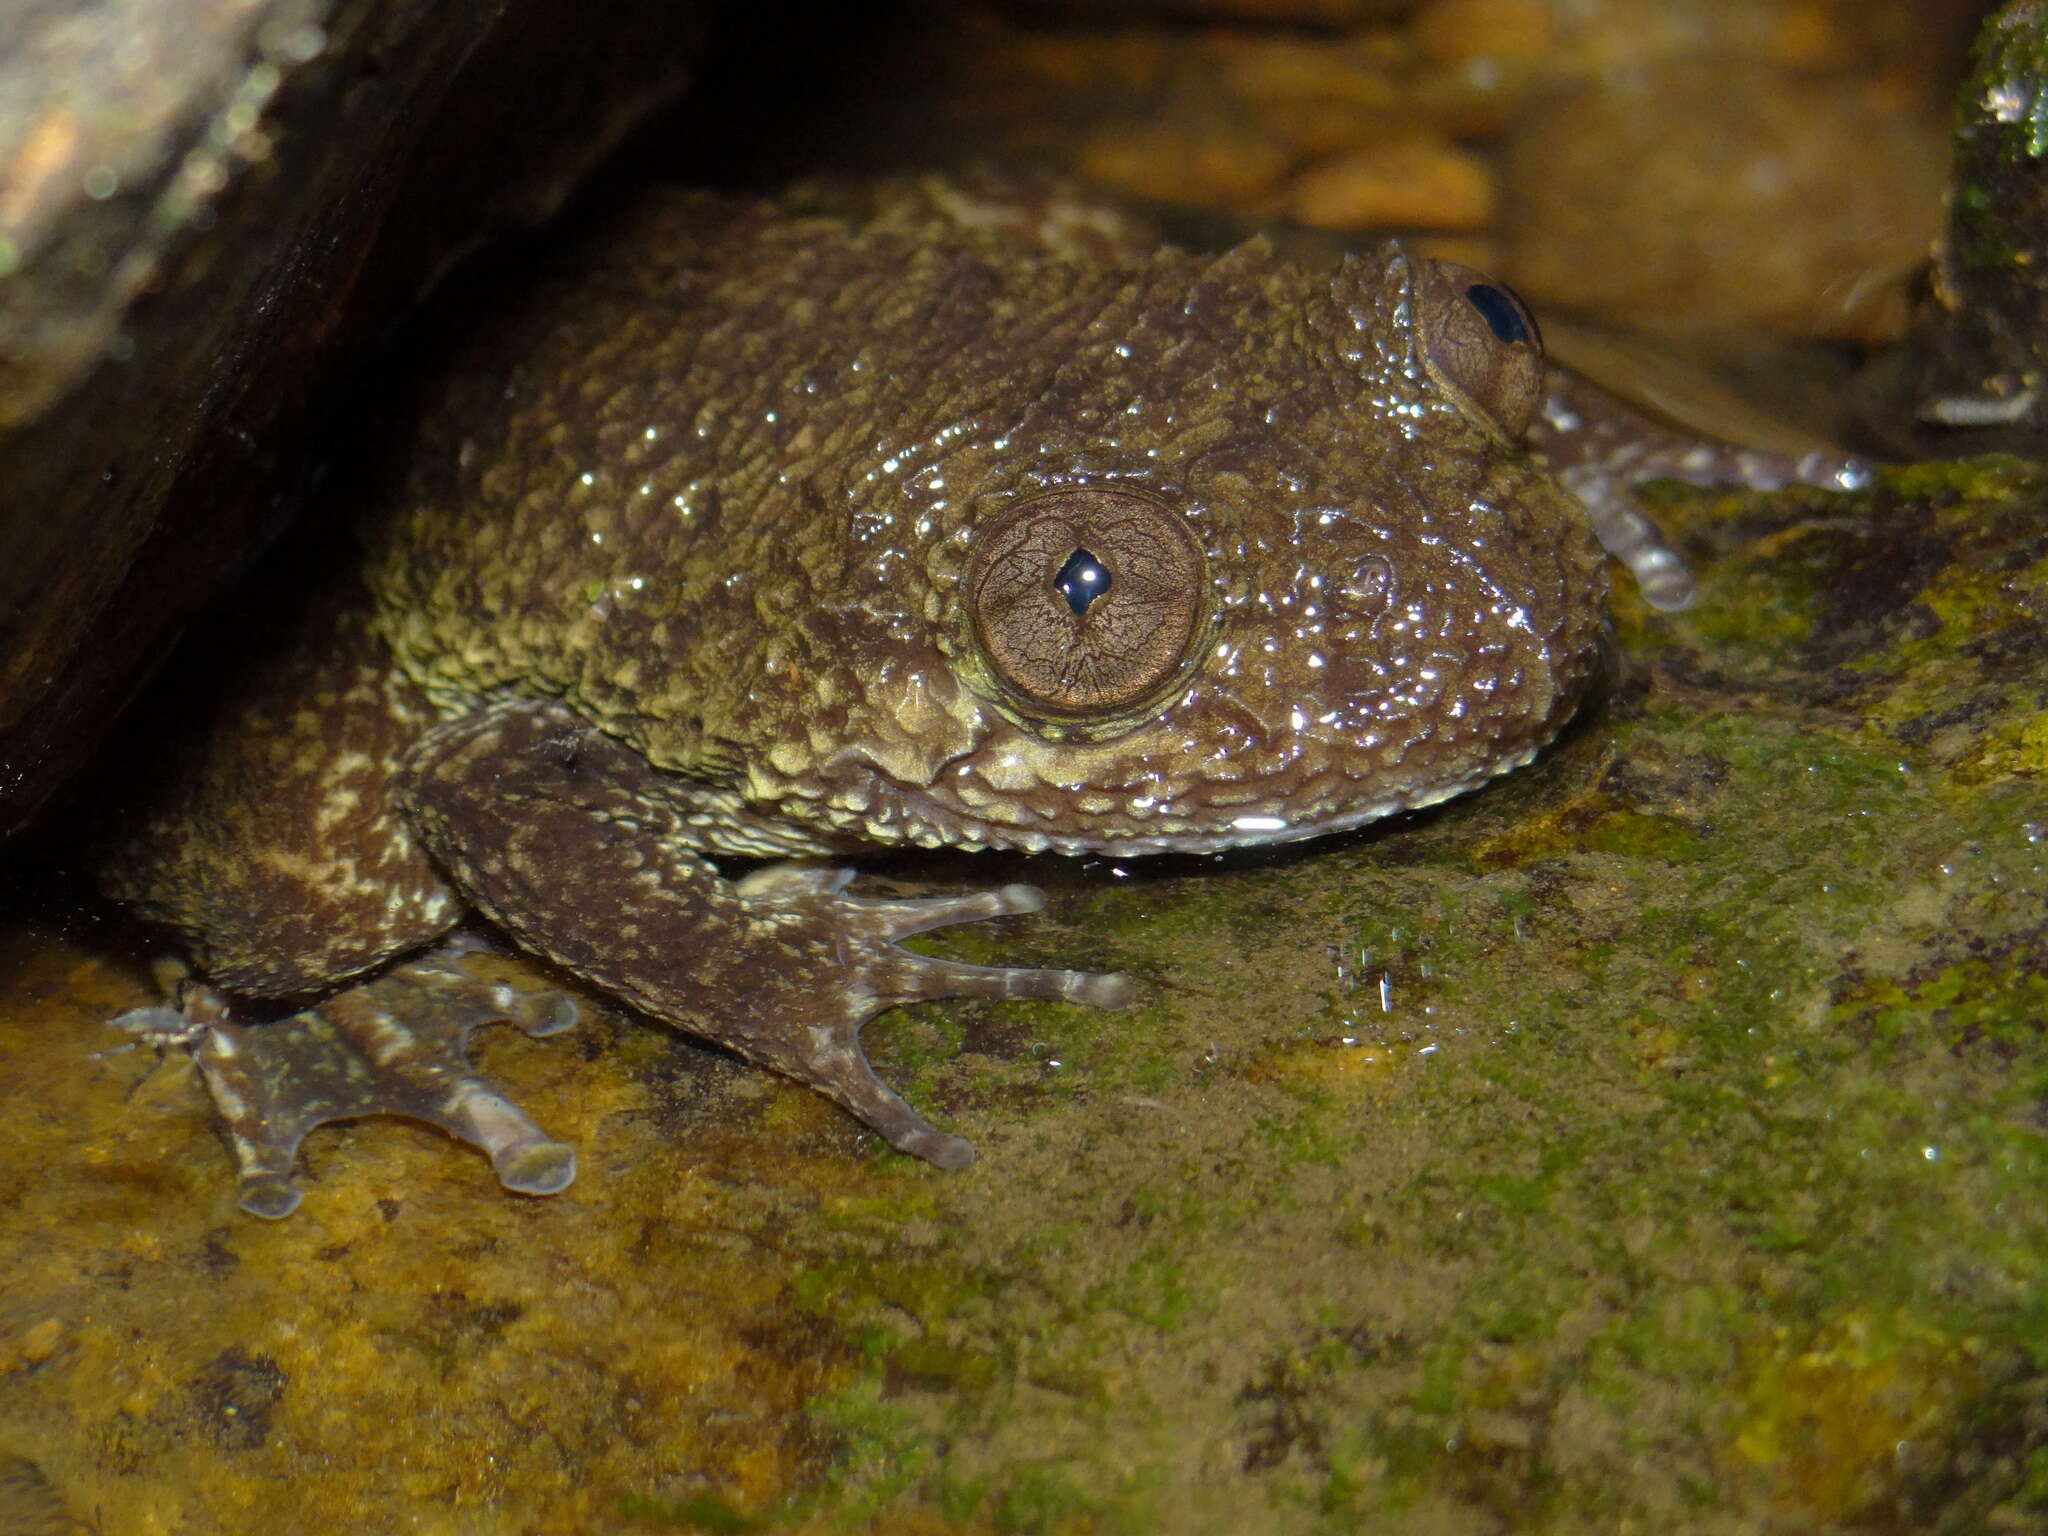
(770,535)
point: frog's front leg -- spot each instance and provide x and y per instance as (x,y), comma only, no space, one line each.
(582,850)
(1602,449)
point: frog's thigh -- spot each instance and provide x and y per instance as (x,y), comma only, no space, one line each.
(575,845)
(281,855)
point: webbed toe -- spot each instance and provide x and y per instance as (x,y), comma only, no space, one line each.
(397,1045)
(818,1038)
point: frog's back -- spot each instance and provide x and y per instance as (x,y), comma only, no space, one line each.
(722,495)
(646,494)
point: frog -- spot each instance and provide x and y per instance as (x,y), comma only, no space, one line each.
(771,535)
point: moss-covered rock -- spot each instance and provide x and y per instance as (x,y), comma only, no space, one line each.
(1653,1141)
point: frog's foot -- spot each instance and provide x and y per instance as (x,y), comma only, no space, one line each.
(782,966)
(1602,449)
(392,1046)
(821,1047)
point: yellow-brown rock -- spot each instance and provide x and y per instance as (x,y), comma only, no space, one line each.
(1408,184)
(1722,197)
(1459,31)
(1192,165)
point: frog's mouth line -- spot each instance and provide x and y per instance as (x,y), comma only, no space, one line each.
(952,826)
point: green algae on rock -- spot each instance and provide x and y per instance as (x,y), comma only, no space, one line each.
(1717,1204)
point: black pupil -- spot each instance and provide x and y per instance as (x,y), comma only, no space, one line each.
(1081,580)
(1500,312)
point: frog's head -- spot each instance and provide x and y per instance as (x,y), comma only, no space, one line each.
(1301,573)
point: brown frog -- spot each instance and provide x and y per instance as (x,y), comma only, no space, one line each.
(778,537)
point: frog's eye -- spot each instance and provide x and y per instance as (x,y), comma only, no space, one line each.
(1086,603)
(1480,344)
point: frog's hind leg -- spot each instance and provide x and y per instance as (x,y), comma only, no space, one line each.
(393,1046)
(397,1045)
(280,853)
(579,848)
(276,848)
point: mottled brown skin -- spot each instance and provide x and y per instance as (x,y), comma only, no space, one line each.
(284,858)
(726,511)
(689,563)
